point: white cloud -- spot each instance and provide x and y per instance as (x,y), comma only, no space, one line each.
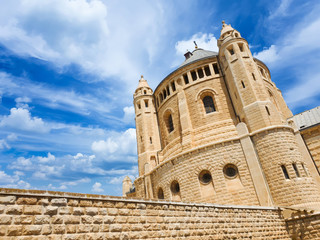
(91,33)
(205,41)
(281,10)
(129,114)
(268,55)
(12,181)
(50,158)
(97,187)
(116,145)
(21,119)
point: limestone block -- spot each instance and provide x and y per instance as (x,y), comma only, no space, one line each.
(50,210)
(57,219)
(5,219)
(32,230)
(8,199)
(65,210)
(84,228)
(112,211)
(71,219)
(91,211)
(43,201)
(27,201)
(46,229)
(58,229)
(86,219)
(103,211)
(85,203)
(14,210)
(59,201)
(32,209)
(95,228)
(23,220)
(115,228)
(97,219)
(78,211)
(71,228)
(108,219)
(42,219)
(3,230)
(73,202)
(2,208)
(14,230)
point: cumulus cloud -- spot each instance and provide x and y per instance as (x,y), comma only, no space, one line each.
(116,145)
(91,33)
(12,181)
(129,114)
(205,41)
(21,119)
(97,187)
(268,55)
(49,158)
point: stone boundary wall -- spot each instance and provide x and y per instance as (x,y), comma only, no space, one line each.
(33,214)
(306,227)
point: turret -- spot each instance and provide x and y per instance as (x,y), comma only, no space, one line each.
(126,185)
(148,139)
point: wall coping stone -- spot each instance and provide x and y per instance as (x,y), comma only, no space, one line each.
(56,194)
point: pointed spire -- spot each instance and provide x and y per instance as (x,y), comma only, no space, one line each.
(143,83)
(226,28)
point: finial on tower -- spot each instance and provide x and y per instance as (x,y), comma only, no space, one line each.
(196,46)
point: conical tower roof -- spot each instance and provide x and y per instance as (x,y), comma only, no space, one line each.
(226,28)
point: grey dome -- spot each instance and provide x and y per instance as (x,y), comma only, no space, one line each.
(197,55)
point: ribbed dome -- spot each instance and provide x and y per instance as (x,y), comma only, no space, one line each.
(197,55)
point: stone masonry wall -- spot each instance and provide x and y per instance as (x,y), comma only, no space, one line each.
(31,214)
(311,137)
(306,227)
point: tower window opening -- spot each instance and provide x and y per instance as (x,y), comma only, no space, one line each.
(194,75)
(230,171)
(150,140)
(230,49)
(185,78)
(244,86)
(173,86)
(160,194)
(207,70)
(236,35)
(262,72)
(164,93)
(285,172)
(169,123)
(240,46)
(141,138)
(205,177)
(161,97)
(208,104)
(139,105)
(175,188)
(146,103)
(267,109)
(215,68)
(304,169)
(200,73)
(254,77)
(168,91)
(296,169)
(145,92)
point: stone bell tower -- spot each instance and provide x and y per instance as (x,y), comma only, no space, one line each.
(263,121)
(148,139)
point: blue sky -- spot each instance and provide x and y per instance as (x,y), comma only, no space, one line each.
(68,69)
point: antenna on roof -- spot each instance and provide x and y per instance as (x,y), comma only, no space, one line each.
(196,46)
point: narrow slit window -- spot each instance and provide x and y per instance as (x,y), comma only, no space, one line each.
(262,72)
(240,47)
(139,105)
(164,94)
(173,86)
(146,103)
(267,109)
(185,78)
(150,140)
(253,76)
(145,92)
(215,68)
(170,123)
(296,169)
(285,172)
(244,86)
(208,104)
(304,169)
(231,50)
(200,73)
(207,70)
(168,91)
(194,75)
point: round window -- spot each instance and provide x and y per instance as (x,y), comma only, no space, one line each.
(175,188)
(205,177)
(230,171)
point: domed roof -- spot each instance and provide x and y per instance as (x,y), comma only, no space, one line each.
(197,55)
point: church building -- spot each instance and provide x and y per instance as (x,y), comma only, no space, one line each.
(217,130)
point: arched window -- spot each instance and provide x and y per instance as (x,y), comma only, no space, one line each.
(208,104)
(160,194)
(169,123)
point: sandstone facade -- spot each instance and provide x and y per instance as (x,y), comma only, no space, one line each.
(216,130)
